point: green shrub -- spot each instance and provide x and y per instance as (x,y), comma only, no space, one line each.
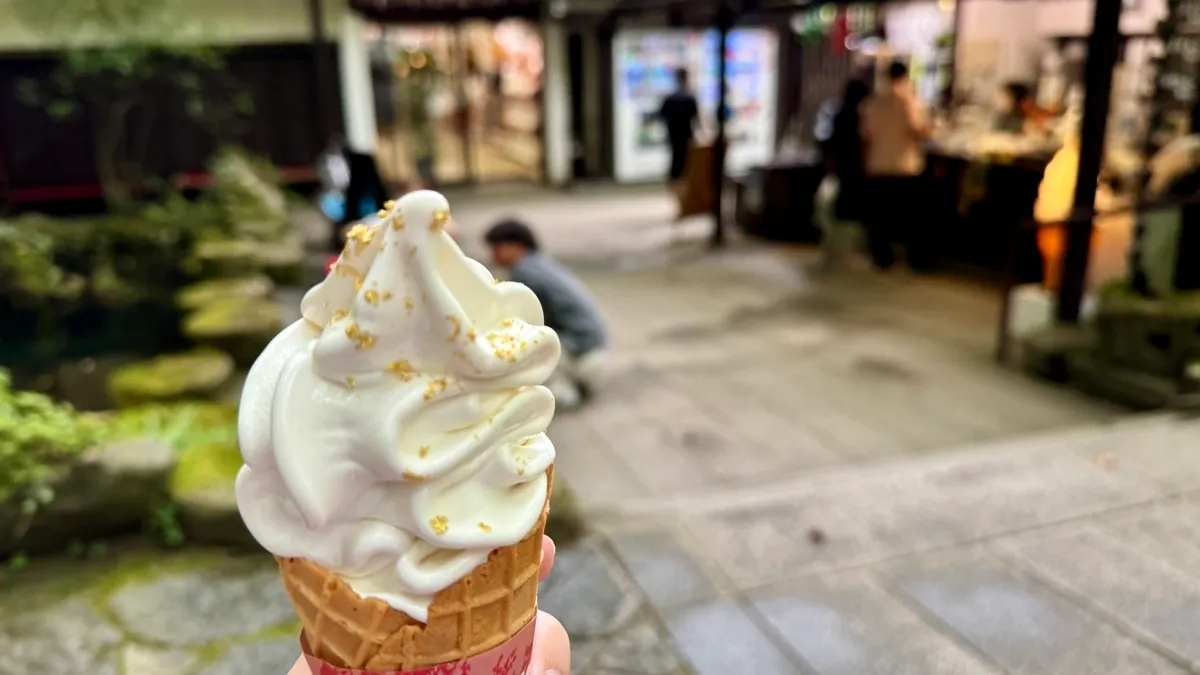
(38,438)
(181,425)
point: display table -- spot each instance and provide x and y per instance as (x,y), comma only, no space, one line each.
(980,211)
(775,202)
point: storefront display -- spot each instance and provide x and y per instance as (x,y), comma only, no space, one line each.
(645,62)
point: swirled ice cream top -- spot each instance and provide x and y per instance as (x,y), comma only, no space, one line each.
(396,433)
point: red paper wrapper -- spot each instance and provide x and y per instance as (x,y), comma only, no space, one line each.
(510,658)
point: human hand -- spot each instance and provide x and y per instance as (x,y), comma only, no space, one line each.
(551,644)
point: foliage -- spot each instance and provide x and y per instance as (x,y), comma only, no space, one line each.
(163,524)
(247,190)
(121,61)
(182,425)
(38,437)
(198,373)
(28,272)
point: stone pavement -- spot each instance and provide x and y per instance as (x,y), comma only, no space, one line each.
(830,475)
(789,474)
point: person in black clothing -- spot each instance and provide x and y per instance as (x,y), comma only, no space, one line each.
(845,153)
(680,113)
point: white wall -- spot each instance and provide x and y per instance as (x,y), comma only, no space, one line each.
(202,21)
(358,92)
(556,97)
(1008,26)
(1074,17)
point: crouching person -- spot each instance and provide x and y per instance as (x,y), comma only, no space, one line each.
(568,306)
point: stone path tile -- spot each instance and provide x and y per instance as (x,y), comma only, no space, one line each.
(1162,448)
(667,573)
(873,515)
(267,658)
(1169,530)
(68,638)
(139,659)
(718,638)
(200,606)
(589,591)
(641,647)
(1022,626)
(853,626)
(1157,600)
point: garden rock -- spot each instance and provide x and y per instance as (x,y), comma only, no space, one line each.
(210,516)
(204,293)
(198,374)
(110,491)
(239,326)
(202,490)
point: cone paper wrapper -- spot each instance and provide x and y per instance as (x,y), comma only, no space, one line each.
(509,658)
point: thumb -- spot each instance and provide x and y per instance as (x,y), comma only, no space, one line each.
(551,648)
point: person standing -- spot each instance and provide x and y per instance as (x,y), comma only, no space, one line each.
(680,113)
(894,132)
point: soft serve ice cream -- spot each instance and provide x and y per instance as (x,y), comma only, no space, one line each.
(395,434)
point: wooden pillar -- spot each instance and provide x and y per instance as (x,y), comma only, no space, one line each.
(1103,45)
(724,25)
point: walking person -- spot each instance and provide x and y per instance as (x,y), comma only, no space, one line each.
(680,113)
(842,197)
(894,131)
(568,308)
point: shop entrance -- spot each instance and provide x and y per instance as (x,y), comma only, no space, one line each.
(459,104)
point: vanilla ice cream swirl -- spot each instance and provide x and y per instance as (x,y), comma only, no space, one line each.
(396,433)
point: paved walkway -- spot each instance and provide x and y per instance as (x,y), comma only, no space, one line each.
(831,476)
(789,475)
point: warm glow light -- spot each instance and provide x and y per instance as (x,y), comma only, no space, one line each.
(417,61)
(946,5)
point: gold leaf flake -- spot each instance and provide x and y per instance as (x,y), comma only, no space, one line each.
(484,526)
(414,478)
(338,315)
(372,298)
(439,524)
(387,295)
(409,304)
(440,218)
(471,335)
(424,451)
(351,383)
(398,223)
(454,321)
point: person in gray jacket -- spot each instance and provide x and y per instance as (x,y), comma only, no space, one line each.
(568,306)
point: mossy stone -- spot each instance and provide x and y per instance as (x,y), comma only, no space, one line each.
(198,295)
(202,489)
(229,317)
(240,327)
(198,374)
(565,524)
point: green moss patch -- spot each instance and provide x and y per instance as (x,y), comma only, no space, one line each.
(201,467)
(199,295)
(234,317)
(198,374)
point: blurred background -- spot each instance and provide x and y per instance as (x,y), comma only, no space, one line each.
(805,460)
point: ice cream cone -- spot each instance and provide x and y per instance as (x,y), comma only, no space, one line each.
(482,610)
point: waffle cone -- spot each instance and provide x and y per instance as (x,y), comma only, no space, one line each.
(477,613)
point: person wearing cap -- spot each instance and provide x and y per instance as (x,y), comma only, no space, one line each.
(568,306)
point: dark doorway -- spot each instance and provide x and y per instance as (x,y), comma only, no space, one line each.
(578,134)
